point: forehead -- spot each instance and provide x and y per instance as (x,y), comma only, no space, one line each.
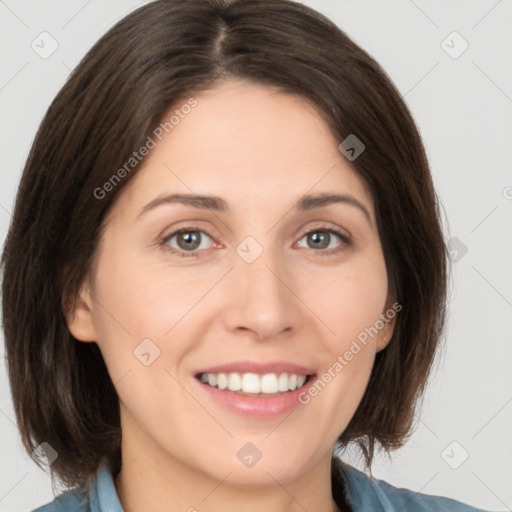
(250,144)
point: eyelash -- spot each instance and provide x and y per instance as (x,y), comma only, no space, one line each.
(345,241)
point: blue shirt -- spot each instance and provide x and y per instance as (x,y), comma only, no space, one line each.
(363,493)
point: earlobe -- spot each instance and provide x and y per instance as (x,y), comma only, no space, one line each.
(78,313)
(388,319)
(383,341)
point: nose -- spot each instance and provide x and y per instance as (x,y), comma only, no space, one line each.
(261,301)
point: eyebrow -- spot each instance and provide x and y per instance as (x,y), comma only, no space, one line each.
(215,203)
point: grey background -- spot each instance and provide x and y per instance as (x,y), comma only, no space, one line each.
(463,107)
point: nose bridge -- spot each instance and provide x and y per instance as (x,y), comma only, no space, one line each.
(260,301)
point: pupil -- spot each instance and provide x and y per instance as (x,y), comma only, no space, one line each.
(189,240)
(319,240)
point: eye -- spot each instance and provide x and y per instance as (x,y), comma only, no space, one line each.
(190,241)
(187,240)
(322,239)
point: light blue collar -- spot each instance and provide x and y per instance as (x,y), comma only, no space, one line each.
(103,495)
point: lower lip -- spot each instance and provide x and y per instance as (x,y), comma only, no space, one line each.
(257,406)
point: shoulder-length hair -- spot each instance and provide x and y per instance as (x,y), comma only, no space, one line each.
(111,104)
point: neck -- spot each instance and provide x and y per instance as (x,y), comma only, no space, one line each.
(151,480)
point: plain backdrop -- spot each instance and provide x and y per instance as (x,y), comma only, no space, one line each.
(451,60)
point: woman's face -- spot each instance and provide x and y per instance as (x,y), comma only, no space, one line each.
(244,294)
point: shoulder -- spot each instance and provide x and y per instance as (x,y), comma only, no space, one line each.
(102,497)
(370,494)
(72,500)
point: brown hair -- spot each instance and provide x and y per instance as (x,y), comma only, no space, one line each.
(115,97)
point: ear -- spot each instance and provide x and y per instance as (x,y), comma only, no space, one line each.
(78,313)
(388,319)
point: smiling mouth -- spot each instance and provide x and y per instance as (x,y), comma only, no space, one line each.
(253,384)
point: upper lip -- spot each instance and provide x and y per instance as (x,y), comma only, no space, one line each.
(258,368)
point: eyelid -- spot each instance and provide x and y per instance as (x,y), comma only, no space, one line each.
(327,226)
(185,226)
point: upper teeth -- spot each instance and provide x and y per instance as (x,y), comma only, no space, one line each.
(254,383)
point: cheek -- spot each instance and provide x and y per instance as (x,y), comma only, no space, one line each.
(124,313)
(138,301)
(348,299)
(142,297)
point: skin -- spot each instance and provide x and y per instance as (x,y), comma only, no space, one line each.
(260,151)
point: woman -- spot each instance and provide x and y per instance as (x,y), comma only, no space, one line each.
(225,260)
